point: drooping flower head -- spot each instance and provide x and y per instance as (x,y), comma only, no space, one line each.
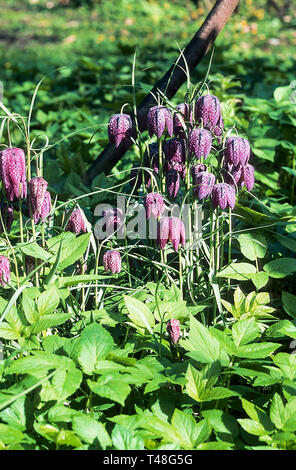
(171,229)
(172,179)
(76,222)
(112,261)
(154,205)
(173,329)
(114,221)
(45,209)
(204,183)
(208,111)
(182,117)
(174,150)
(4,271)
(232,174)
(37,189)
(120,130)
(195,169)
(13,172)
(159,118)
(247,177)
(223,195)
(237,151)
(200,143)
(7,217)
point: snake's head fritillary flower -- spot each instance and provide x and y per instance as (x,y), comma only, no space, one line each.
(154,205)
(204,183)
(7,217)
(172,182)
(195,169)
(76,222)
(4,271)
(120,130)
(223,195)
(173,329)
(208,111)
(159,118)
(182,117)
(45,209)
(232,174)
(200,143)
(13,172)
(171,229)
(37,189)
(247,177)
(114,221)
(174,150)
(237,151)
(112,261)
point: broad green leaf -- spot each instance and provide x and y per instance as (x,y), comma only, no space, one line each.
(204,346)
(222,423)
(287,364)
(139,313)
(280,267)
(95,344)
(48,301)
(110,387)
(253,245)
(277,411)
(260,279)
(257,350)
(66,381)
(73,247)
(244,331)
(257,414)
(289,303)
(252,427)
(238,271)
(188,432)
(125,439)
(89,430)
(48,321)
(36,251)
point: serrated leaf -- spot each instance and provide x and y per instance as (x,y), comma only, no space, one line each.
(238,271)
(95,344)
(139,313)
(253,245)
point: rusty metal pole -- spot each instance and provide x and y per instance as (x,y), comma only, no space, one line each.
(193,53)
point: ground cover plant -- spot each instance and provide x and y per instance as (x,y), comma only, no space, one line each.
(156,309)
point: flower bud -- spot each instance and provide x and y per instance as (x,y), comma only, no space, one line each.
(112,261)
(247,177)
(45,209)
(173,329)
(37,189)
(182,118)
(4,271)
(174,150)
(120,130)
(114,222)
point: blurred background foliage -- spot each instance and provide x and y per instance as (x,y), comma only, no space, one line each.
(85,49)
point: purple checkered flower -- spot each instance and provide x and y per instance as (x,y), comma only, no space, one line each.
(112,261)
(232,174)
(173,329)
(171,229)
(76,222)
(45,209)
(7,217)
(120,130)
(13,172)
(204,183)
(247,177)
(200,143)
(172,179)
(182,117)
(237,151)
(223,195)
(154,205)
(37,188)
(174,150)
(208,111)
(159,119)
(4,271)
(114,222)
